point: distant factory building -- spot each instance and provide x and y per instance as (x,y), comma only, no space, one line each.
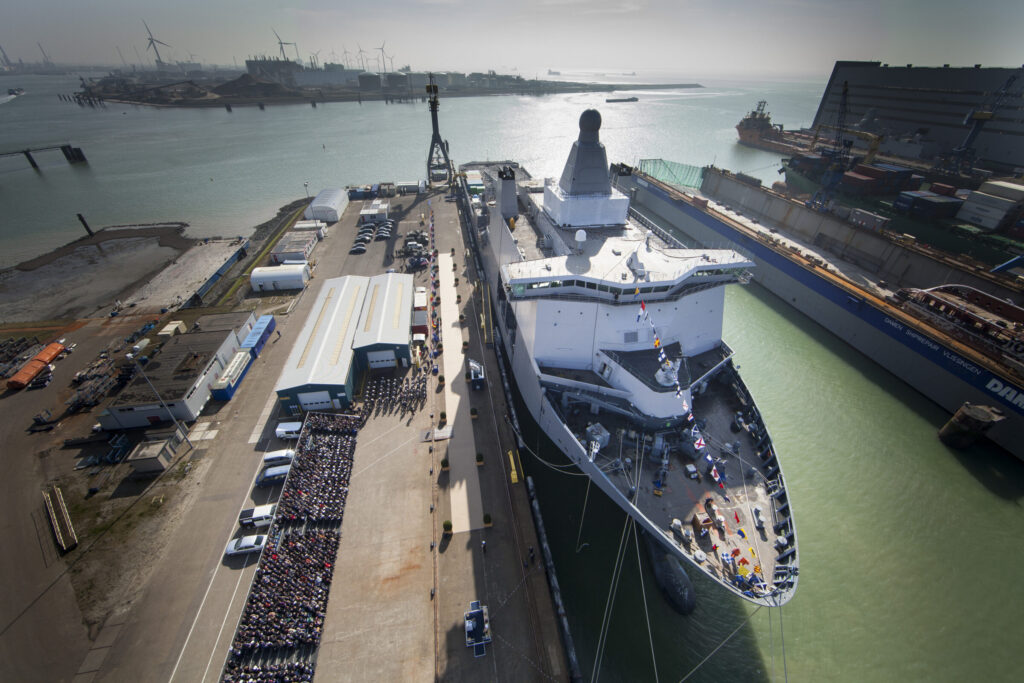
(239,322)
(356,324)
(369,82)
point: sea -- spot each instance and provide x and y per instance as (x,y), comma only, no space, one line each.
(911,553)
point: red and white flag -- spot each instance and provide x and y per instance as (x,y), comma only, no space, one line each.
(699,443)
(714,473)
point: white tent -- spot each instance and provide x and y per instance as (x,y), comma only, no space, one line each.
(328,206)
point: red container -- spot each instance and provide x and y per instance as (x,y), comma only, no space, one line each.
(870,171)
(943,189)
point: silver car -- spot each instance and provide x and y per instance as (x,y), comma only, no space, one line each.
(246,545)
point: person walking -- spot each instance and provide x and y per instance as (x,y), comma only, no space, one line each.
(483,546)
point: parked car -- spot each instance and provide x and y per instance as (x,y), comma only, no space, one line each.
(259,516)
(358,249)
(363,239)
(245,545)
(272,476)
(382,236)
(281,457)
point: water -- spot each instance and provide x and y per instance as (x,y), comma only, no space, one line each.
(910,552)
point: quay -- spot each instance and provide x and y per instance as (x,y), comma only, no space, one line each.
(401,586)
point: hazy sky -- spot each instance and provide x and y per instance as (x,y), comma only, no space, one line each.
(686,37)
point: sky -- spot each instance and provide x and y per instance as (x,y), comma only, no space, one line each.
(688,38)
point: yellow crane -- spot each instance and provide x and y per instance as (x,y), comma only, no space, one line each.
(873,140)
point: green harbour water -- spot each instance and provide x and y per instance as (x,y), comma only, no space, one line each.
(910,552)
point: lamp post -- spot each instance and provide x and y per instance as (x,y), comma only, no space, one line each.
(177,427)
(306,186)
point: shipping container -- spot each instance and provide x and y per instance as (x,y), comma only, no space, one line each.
(224,388)
(943,189)
(259,335)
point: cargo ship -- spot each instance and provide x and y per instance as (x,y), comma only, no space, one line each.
(612,331)
(873,289)
(622,99)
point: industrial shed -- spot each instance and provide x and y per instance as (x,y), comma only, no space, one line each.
(182,373)
(383,336)
(294,247)
(319,371)
(356,324)
(276,278)
(327,206)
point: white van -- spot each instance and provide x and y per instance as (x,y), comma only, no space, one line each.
(281,457)
(288,430)
(259,516)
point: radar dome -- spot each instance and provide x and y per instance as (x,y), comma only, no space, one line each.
(581,235)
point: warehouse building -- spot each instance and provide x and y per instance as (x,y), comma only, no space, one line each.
(382,338)
(356,324)
(183,372)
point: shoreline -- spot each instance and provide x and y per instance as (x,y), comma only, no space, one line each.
(324,97)
(86,277)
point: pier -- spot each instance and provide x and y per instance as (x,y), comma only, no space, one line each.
(74,155)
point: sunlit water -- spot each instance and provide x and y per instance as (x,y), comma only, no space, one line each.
(910,553)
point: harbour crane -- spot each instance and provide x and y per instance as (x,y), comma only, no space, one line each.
(840,156)
(153,42)
(963,157)
(439,166)
(46,57)
(5,60)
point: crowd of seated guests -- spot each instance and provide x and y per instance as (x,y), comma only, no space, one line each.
(317,485)
(288,600)
(289,672)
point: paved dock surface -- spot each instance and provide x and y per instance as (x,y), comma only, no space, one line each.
(401,586)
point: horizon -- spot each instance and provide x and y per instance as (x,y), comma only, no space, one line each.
(793,39)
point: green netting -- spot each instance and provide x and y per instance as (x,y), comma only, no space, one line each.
(673,172)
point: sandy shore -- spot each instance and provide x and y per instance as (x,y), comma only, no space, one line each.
(86,277)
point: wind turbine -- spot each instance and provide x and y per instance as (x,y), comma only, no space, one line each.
(362,60)
(281,44)
(345,54)
(383,65)
(153,42)
(391,58)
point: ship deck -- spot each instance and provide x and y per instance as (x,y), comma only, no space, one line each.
(728,544)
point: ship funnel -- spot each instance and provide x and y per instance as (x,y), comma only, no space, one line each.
(509,203)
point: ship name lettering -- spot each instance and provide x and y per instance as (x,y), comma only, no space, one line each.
(969,367)
(1006,391)
(890,321)
(924,340)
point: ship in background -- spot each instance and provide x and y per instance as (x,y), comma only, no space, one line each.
(612,332)
(950,327)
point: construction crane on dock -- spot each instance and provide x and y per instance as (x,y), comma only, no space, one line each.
(963,158)
(46,58)
(438,162)
(5,61)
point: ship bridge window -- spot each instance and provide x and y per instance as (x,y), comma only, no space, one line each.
(518,290)
(590,285)
(662,288)
(603,288)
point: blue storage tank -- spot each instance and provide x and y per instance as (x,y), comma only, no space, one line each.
(259,335)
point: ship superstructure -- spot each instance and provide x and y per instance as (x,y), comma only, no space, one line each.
(614,337)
